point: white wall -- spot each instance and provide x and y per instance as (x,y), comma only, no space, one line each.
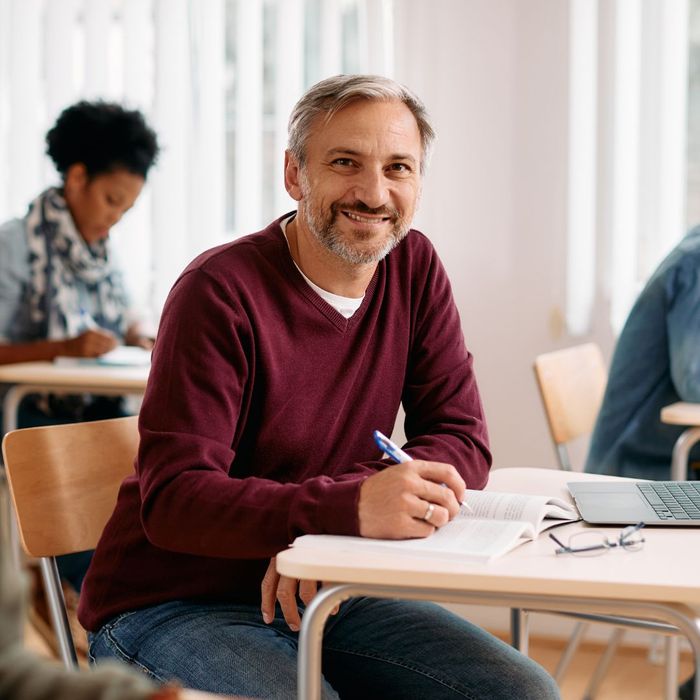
(494,75)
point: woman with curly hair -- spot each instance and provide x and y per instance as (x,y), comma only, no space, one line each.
(60,293)
(60,290)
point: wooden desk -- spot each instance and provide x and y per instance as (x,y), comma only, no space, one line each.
(657,583)
(682,413)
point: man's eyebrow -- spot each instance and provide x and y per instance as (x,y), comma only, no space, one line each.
(342,152)
(352,152)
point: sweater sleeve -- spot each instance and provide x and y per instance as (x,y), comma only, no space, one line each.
(444,415)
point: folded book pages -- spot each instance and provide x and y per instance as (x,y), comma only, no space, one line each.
(499,523)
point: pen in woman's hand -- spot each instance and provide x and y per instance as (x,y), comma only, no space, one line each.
(86,321)
(398,455)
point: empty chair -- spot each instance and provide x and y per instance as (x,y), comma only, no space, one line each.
(64,481)
(572,384)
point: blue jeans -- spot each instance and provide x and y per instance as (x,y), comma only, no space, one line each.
(372,648)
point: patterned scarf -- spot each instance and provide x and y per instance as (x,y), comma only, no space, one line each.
(59,257)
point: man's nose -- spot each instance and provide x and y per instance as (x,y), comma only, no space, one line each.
(371,188)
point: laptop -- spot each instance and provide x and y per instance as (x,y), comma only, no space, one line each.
(674,503)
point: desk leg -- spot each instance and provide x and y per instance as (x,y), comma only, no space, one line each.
(686,620)
(519,630)
(681,450)
(10,405)
(671,680)
(311,638)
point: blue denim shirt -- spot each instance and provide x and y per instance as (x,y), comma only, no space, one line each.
(656,362)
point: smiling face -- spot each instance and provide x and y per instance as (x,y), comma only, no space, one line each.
(97,203)
(359,186)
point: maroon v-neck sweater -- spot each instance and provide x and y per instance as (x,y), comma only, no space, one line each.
(257,421)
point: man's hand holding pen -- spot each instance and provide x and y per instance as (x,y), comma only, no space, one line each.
(411,499)
(418,492)
(404,500)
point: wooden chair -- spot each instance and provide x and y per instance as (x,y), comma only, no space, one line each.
(64,481)
(572,383)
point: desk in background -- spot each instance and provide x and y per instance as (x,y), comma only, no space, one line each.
(658,583)
(46,377)
(688,414)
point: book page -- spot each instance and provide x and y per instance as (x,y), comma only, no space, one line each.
(492,505)
(475,540)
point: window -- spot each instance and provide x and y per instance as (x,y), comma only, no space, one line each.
(693,129)
(628,95)
(216,78)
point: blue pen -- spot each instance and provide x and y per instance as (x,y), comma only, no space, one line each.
(390,448)
(87,322)
(398,455)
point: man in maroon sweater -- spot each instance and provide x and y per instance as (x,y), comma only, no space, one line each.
(276,358)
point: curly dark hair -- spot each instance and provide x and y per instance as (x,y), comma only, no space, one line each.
(103,136)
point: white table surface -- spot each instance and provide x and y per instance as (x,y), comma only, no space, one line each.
(681,413)
(659,582)
(32,377)
(661,571)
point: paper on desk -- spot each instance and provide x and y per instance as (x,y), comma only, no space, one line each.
(475,540)
(121,356)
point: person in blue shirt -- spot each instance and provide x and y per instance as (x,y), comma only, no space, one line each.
(656,362)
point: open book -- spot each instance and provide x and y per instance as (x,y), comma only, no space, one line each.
(499,522)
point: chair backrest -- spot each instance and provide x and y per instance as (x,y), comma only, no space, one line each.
(64,481)
(571,383)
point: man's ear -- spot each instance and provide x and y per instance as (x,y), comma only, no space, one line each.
(76,178)
(292,173)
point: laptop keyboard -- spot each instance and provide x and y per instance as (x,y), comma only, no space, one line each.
(673,500)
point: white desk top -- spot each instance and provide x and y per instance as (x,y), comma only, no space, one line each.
(667,569)
(681,413)
(128,379)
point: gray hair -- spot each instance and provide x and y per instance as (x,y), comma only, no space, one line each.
(333,94)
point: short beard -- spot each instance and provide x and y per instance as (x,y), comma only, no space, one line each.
(324,229)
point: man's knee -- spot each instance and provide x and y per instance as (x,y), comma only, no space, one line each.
(534,683)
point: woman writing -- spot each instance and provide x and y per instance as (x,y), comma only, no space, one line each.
(60,291)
